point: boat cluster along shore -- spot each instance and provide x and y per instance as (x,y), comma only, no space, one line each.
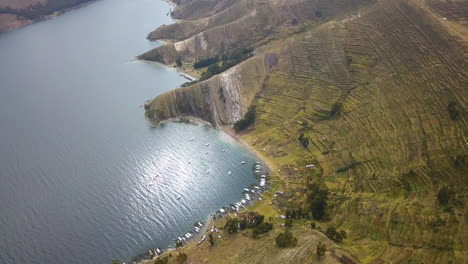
(251,194)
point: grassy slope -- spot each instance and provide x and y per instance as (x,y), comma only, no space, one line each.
(393,67)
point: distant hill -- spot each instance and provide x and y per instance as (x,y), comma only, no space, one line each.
(15,13)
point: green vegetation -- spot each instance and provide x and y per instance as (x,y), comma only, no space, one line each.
(181,258)
(162,260)
(226,62)
(248,119)
(286,239)
(211,239)
(445,195)
(232,225)
(179,62)
(321,249)
(335,235)
(205,62)
(304,140)
(453,110)
(318,201)
(377,90)
(263,228)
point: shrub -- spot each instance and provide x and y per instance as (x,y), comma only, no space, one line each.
(242,224)
(248,119)
(321,249)
(445,195)
(304,140)
(286,239)
(179,62)
(211,239)
(205,62)
(262,228)
(453,110)
(232,225)
(318,202)
(181,258)
(288,222)
(162,260)
(313,225)
(335,235)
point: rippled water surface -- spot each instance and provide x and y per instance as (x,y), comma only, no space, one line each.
(83,177)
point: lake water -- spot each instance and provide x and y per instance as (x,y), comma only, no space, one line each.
(83,177)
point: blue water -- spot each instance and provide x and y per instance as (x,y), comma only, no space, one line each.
(83,177)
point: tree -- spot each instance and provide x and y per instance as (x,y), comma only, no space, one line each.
(243,224)
(444,195)
(286,239)
(304,140)
(313,225)
(335,235)
(318,201)
(179,62)
(288,222)
(262,228)
(321,249)
(248,119)
(232,225)
(211,239)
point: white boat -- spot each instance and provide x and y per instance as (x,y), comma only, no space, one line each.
(158,251)
(200,224)
(206,152)
(208,171)
(207,144)
(224,150)
(242,162)
(191,139)
(229,172)
(178,197)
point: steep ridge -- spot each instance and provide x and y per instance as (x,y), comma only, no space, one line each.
(220,100)
(17,13)
(379,88)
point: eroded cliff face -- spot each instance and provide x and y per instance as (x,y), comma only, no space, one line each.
(220,100)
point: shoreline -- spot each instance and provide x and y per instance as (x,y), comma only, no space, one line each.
(227,129)
(47,17)
(210,220)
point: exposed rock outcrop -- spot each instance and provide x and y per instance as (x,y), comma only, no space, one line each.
(220,100)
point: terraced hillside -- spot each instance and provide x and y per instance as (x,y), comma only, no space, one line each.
(379,89)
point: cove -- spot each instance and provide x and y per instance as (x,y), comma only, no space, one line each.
(83,176)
